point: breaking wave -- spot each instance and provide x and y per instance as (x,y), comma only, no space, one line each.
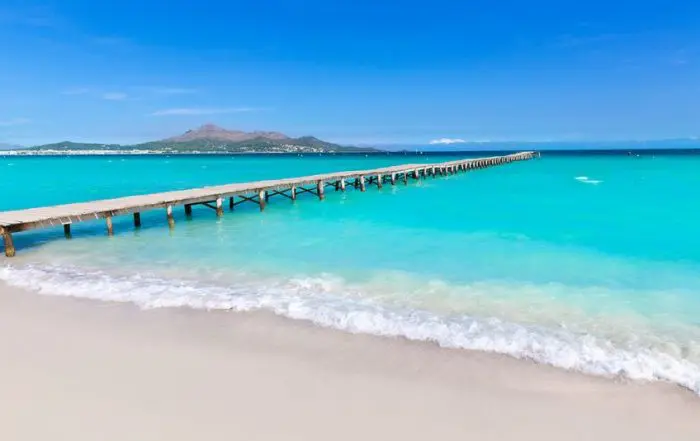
(330,302)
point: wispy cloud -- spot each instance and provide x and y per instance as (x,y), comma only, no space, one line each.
(680,57)
(75,91)
(202,111)
(38,17)
(571,41)
(447,141)
(114,96)
(14,122)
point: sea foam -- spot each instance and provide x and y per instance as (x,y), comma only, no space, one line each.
(328,302)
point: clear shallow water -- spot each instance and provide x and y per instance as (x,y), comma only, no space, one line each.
(588,263)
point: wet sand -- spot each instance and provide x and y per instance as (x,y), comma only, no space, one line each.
(86,370)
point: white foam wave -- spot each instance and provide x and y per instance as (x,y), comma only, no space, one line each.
(587,180)
(325,302)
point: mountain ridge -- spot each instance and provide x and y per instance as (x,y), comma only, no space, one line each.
(210,138)
(214,132)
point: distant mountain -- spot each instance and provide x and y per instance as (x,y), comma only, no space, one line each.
(212,132)
(213,139)
(8,146)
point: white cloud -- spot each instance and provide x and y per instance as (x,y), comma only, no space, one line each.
(447,141)
(114,96)
(14,122)
(201,111)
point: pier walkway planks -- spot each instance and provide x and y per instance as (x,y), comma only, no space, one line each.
(213,197)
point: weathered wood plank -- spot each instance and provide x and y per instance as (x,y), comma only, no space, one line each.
(40,217)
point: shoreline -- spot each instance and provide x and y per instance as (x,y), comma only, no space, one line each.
(88,369)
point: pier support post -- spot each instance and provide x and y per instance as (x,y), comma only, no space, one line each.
(379,181)
(293,192)
(188,210)
(66,231)
(320,189)
(231,203)
(219,206)
(110,227)
(262,198)
(9,245)
(405,178)
(393,179)
(137,220)
(342,184)
(362,183)
(169,215)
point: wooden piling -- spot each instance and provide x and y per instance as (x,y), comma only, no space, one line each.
(262,199)
(219,206)
(66,231)
(169,215)
(320,189)
(23,220)
(231,203)
(9,245)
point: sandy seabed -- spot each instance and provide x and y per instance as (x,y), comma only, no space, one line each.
(77,370)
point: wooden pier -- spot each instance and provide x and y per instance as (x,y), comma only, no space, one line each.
(214,197)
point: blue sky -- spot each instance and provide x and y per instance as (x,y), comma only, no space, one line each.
(360,72)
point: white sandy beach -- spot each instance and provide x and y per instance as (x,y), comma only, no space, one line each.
(82,370)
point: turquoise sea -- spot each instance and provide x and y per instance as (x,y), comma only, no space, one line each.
(589,262)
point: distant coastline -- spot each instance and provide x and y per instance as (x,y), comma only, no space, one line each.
(206,139)
(136,152)
(210,139)
(639,152)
